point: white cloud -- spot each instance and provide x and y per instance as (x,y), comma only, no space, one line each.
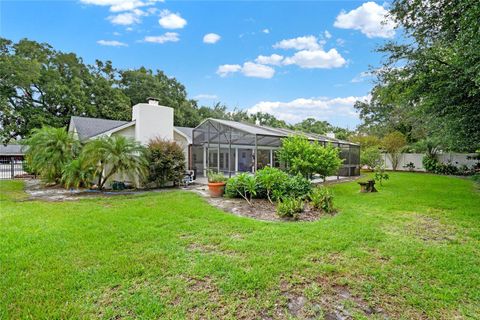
(211,38)
(274,59)
(255,70)
(206,96)
(322,108)
(266,31)
(327,34)
(310,59)
(225,69)
(362,76)
(127,12)
(169,20)
(121,5)
(249,69)
(166,37)
(299,43)
(125,19)
(111,43)
(126,6)
(370,18)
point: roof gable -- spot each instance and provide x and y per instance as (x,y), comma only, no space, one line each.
(90,127)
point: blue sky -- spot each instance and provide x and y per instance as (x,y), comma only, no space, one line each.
(292,59)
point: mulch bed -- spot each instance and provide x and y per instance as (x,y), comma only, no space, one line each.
(261,209)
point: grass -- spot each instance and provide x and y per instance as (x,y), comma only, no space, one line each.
(409,251)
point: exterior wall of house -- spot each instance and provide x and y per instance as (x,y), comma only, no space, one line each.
(152,121)
(73,130)
(128,132)
(182,142)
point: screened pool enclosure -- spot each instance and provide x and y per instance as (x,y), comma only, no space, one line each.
(231,147)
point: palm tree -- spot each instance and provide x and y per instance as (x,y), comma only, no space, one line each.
(77,174)
(49,150)
(115,154)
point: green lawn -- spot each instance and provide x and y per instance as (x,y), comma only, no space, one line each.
(410,251)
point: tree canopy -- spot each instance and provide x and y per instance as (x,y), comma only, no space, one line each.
(41,86)
(429,83)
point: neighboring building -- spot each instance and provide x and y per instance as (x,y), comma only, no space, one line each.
(220,145)
(11,161)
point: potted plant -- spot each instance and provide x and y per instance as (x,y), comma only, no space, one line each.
(216,184)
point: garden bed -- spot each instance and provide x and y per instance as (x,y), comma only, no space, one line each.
(261,209)
(39,191)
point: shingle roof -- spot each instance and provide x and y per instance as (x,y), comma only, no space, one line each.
(11,150)
(186,131)
(90,127)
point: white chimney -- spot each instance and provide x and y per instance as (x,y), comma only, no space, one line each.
(152,120)
(152,101)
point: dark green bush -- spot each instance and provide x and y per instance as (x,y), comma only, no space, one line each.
(290,207)
(446,168)
(242,185)
(297,187)
(271,183)
(166,162)
(430,163)
(322,198)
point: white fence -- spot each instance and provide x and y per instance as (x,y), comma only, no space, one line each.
(457,159)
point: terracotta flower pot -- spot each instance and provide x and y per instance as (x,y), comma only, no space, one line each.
(216,189)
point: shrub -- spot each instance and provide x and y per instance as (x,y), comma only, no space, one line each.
(273,181)
(410,166)
(370,157)
(380,174)
(304,157)
(49,150)
(297,187)
(322,198)
(166,162)
(446,168)
(76,174)
(430,163)
(243,185)
(215,177)
(290,207)
(464,170)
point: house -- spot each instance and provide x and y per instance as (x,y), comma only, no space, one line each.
(149,120)
(219,145)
